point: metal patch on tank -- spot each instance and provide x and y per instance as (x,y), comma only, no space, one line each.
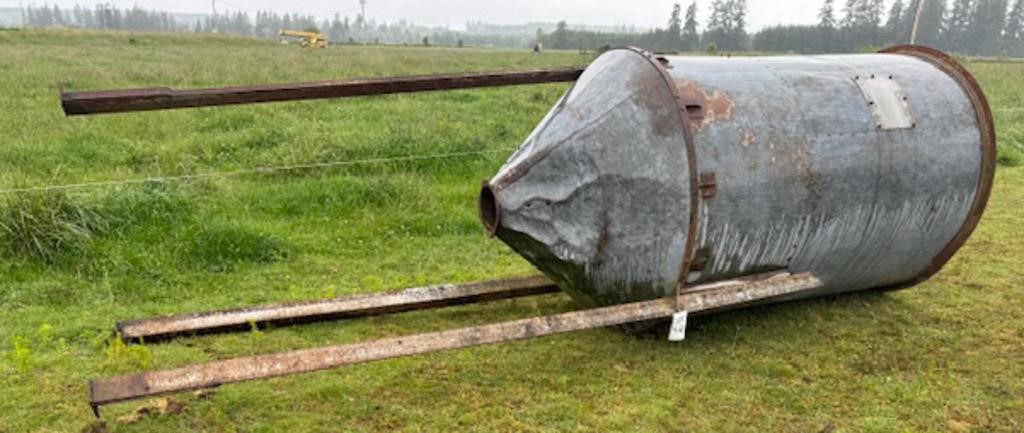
(887,101)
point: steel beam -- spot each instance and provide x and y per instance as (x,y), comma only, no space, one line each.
(418,298)
(696,299)
(162,98)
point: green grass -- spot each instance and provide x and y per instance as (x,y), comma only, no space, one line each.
(945,356)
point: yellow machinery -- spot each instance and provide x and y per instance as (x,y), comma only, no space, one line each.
(309,39)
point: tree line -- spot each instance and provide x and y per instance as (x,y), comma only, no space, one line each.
(103,17)
(264,24)
(726,30)
(978,27)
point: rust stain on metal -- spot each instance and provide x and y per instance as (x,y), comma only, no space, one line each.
(418,298)
(700,260)
(748,138)
(120,101)
(712,107)
(708,185)
(798,162)
(706,297)
(602,238)
(662,125)
(810,178)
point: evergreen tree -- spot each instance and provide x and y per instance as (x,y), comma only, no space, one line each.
(849,14)
(58,17)
(827,27)
(860,22)
(335,31)
(827,15)
(987,23)
(675,21)
(560,37)
(933,21)
(675,28)
(873,10)
(739,18)
(894,32)
(1013,35)
(958,26)
(727,24)
(719,15)
(691,39)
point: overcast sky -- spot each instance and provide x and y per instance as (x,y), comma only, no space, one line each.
(455,13)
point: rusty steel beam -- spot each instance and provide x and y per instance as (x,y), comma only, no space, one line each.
(129,100)
(696,299)
(418,298)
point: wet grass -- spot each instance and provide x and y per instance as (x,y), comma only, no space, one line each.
(945,356)
(220,249)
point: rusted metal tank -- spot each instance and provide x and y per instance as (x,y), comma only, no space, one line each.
(653,173)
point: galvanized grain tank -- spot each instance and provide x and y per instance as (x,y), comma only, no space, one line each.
(868,170)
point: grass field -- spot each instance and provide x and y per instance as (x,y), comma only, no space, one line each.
(945,356)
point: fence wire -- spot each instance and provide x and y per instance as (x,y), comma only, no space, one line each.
(241,172)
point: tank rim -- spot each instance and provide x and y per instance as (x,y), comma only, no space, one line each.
(986,125)
(660,63)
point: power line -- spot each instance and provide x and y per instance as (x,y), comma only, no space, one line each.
(240,172)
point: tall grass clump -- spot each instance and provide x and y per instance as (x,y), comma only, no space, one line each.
(47,226)
(52,227)
(150,204)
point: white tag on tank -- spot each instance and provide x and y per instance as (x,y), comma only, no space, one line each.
(678,330)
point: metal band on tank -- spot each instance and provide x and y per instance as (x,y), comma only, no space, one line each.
(691,158)
(988,152)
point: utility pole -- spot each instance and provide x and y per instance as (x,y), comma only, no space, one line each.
(24,19)
(917,20)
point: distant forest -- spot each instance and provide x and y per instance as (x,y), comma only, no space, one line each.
(976,27)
